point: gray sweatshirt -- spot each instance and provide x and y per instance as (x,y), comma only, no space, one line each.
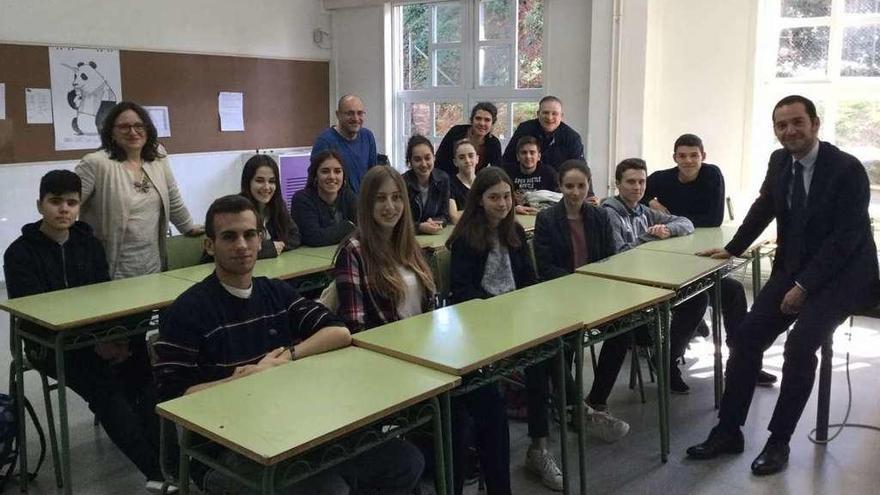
(630,226)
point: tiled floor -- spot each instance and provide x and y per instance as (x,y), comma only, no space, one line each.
(632,466)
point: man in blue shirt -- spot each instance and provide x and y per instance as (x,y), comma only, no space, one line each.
(351,139)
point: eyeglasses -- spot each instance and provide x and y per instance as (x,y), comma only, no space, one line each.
(138,127)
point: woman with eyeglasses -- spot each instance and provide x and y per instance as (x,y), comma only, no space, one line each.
(129,194)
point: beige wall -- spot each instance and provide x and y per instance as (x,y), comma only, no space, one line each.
(698,79)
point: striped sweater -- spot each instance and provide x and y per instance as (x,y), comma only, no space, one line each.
(208,332)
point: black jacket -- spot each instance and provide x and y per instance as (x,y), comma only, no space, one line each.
(563,144)
(553,239)
(838,254)
(34,263)
(443,157)
(317,220)
(467,266)
(437,205)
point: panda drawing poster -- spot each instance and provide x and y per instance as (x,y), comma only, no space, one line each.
(85,86)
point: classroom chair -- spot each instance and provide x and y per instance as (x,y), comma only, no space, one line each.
(47,399)
(184,251)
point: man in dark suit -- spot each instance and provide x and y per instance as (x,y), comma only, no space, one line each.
(825,269)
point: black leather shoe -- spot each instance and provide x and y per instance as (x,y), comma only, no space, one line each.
(719,442)
(772,459)
(765,379)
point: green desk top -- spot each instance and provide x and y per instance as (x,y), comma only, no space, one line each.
(325,252)
(70,308)
(438,241)
(465,337)
(701,239)
(285,411)
(658,268)
(291,264)
(527,221)
(591,300)
(435,241)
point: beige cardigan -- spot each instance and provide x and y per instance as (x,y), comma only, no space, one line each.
(104,208)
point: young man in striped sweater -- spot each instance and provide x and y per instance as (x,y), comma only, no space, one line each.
(233,324)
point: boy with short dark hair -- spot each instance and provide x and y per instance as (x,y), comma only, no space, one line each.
(528,174)
(634,224)
(59,252)
(695,189)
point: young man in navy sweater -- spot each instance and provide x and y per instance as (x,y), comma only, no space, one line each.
(695,189)
(59,252)
(233,324)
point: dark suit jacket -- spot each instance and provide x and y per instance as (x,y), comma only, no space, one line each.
(553,239)
(839,252)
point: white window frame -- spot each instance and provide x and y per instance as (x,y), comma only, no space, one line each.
(827,91)
(469,92)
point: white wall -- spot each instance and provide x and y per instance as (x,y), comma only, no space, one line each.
(358,66)
(698,79)
(267,28)
(264,28)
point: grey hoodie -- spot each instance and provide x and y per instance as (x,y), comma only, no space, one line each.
(630,226)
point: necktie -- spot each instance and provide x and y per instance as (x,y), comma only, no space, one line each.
(795,222)
(798,192)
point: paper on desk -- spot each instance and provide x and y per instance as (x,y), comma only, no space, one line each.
(231,107)
(159,116)
(2,101)
(38,103)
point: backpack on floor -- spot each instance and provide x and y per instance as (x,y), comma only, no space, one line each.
(9,446)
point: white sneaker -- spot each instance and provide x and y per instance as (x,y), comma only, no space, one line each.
(541,463)
(603,425)
(155,487)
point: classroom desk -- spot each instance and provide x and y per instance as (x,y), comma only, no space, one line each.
(68,314)
(687,275)
(325,252)
(607,308)
(528,222)
(290,264)
(714,237)
(438,241)
(481,341)
(291,410)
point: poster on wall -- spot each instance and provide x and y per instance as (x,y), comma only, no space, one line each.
(85,86)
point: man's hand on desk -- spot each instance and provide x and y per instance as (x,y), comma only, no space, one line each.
(660,230)
(270,360)
(717,253)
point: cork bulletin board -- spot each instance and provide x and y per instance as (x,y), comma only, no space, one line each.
(285,101)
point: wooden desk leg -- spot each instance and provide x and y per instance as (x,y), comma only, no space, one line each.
(561,403)
(661,353)
(18,373)
(716,338)
(579,410)
(63,430)
(824,400)
(183,470)
(446,416)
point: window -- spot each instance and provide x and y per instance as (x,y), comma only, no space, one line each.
(828,51)
(450,55)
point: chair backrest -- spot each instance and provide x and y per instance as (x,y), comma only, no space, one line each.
(440,261)
(184,251)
